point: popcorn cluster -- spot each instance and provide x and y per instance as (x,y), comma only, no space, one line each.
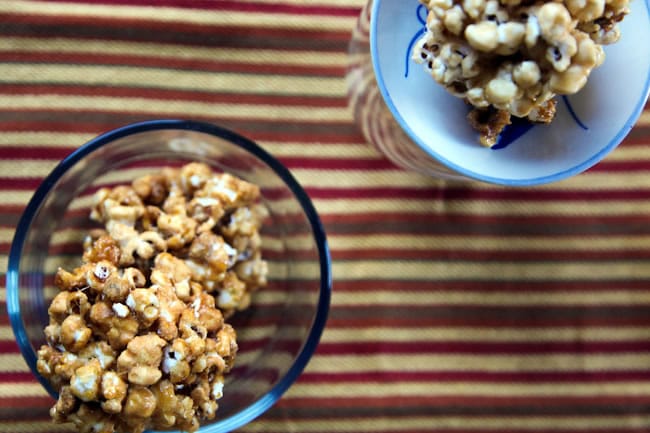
(515,56)
(137,338)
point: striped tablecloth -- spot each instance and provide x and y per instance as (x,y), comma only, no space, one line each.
(457,307)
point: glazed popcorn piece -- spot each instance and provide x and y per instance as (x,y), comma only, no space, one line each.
(513,56)
(137,337)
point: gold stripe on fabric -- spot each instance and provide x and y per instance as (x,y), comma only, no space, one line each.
(398,242)
(321,150)
(277,148)
(6,234)
(390,178)
(419,388)
(484,208)
(485,270)
(380,424)
(470,389)
(443,334)
(23,168)
(398,298)
(470,334)
(183,15)
(358,179)
(6,333)
(629,153)
(342,3)
(37,139)
(12,362)
(22,389)
(601,208)
(644,119)
(259,84)
(165,107)
(495,299)
(496,423)
(399,270)
(599,180)
(35,427)
(349,363)
(559,362)
(590,181)
(175,51)
(494,242)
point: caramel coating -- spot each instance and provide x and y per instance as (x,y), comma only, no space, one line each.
(137,337)
(516,56)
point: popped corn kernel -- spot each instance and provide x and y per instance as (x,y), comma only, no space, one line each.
(74,333)
(140,402)
(84,384)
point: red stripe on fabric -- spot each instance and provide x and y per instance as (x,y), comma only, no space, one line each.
(631,428)
(4,320)
(173,94)
(16,376)
(137,27)
(516,256)
(274,8)
(13,152)
(99,127)
(477,401)
(568,286)
(621,166)
(482,348)
(515,287)
(23,402)
(52,126)
(11,209)
(56,153)
(22,152)
(530,377)
(461,193)
(635,143)
(171,63)
(637,137)
(460,321)
(470,322)
(272,319)
(574,223)
(7,346)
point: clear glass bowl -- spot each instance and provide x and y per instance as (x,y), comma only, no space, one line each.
(277,335)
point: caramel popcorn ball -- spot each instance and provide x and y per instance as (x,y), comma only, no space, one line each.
(513,57)
(137,337)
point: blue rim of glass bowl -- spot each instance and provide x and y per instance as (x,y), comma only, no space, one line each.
(593,160)
(265,402)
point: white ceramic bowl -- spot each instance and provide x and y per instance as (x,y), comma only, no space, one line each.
(587,126)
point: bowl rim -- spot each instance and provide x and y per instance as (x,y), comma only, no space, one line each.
(263,403)
(575,170)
